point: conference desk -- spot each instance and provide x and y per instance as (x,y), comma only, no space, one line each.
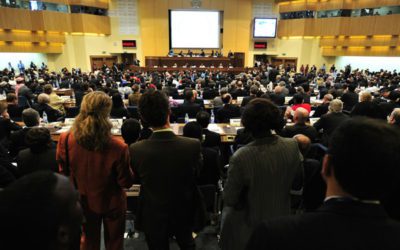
(233,70)
(228,132)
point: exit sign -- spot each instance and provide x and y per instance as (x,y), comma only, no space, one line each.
(129,43)
(260,45)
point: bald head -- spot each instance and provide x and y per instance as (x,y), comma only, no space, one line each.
(304,143)
(300,116)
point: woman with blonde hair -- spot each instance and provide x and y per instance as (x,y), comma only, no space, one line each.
(98,165)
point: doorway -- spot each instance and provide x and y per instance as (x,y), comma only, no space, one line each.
(97,61)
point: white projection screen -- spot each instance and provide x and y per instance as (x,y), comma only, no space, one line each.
(264,28)
(194,29)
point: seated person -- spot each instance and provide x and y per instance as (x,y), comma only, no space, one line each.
(42,106)
(228,111)
(118,109)
(211,139)
(146,131)
(300,127)
(330,121)
(135,96)
(278,97)
(324,107)
(357,177)
(31,118)
(298,102)
(6,125)
(54,210)
(209,173)
(56,102)
(130,131)
(253,94)
(366,107)
(189,106)
(13,109)
(394,118)
(40,154)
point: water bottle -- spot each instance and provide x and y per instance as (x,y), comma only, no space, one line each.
(186,118)
(45,120)
(212,120)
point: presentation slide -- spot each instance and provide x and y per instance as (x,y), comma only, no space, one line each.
(195,29)
(264,27)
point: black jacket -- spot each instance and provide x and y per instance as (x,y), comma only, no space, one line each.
(228,111)
(309,131)
(344,225)
(29,162)
(211,139)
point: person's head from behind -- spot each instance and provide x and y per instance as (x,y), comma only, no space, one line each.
(226,99)
(363,159)
(352,87)
(130,131)
(43,98)
(298,99)
(30,117)
(193,130)
(395,117)
(254,90)
(365,96)
(335,106)
(223,91)
(136,88)
(46,202)
(260,117)
(48,89)
(328,98)
(3,108)
(304,143)
(300,116)
(38,139)
(189,95)
(92,127)
(117,101)
(12,98)
(154,109)
(203,118)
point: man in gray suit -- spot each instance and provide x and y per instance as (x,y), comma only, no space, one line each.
(260,176)
(165,165)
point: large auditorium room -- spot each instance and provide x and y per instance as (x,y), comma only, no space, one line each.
(199,124)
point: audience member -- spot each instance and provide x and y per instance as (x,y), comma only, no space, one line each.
(40,154)
(357,176)
(56,102)
(134,97)
(330,121)
(350,98)
(260,176)
(118,109)
(209,173)
(42,106)
(6,125)
(167,197)
(189,106)
(394,118)
(130,131)
(44,209)
(217,102)
(366,107)
(253,94)
(300,127)
(31,119)
(228,111)
(324,107)
(13,109)
(211,139)
(90,150)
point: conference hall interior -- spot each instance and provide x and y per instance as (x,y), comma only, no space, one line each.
(199,124)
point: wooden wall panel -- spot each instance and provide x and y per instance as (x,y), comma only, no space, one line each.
(377,41)
(11,18)
(90,24)
(31,36)
(56,21)
(360,51)
(30,47)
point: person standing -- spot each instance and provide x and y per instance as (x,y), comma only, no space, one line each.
(167,199)
(99,168)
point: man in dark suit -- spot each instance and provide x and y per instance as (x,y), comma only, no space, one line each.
(211,139)
(352,217)
(238,91)
(300,127)
(350,98)
(253,94)
(329,122)
(189,106)
(31,118)
(13,109)
(166,166)
(228,111)
(324,107)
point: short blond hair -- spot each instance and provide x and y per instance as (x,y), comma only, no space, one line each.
(43,98)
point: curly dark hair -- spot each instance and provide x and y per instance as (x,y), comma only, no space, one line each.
(154,108)
(260,117)
(38,139)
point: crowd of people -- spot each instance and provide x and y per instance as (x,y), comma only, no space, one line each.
(328,138)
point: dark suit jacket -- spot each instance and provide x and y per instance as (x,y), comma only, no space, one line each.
(349,99)
(6,126)
(209,173)
(329,122)
(29,162)
(189,108)
(17,141)
(15,112)
(119,112)
(309,131)
(52,114)
(227,112)
(345,225)
(278,99)
(246,100)
(211,139)
(321,110)
(165,165)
